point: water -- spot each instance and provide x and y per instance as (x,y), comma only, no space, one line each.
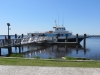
(92,50)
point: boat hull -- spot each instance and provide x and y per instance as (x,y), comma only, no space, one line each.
(70,40)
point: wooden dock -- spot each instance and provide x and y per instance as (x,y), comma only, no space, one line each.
(18,42)
(9,43)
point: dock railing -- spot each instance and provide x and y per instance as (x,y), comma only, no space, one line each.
(9,42)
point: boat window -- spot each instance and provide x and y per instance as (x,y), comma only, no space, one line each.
(57,28)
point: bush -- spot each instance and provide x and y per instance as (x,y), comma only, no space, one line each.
(16,55)
(37,57)
(50,58)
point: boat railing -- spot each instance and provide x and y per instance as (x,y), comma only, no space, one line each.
(35,39)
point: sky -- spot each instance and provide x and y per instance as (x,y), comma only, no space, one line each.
(24,16)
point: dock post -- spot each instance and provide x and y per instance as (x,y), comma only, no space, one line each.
(57,37)
(84,49)
(57,49)
(20,42)
(76,38)
(19,50)
(0,51)
(66,37)
(9,37)
(22,35)
(76,49)
(52,47)
(9,50)
(52,39)
(84,39)
(66,48)
(84,43)
(22,48)
(15,36)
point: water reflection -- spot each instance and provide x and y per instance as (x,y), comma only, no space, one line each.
(54,51)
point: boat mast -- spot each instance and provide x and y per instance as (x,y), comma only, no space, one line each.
(55,23)
(63,22)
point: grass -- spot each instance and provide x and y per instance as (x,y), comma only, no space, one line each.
(16,55)
(37,57)
(72,58)
(56,63)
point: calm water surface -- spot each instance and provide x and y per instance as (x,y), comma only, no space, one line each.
(91,51)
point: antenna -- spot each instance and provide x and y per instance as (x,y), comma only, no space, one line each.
(58,18)
(63,22)
(55,23)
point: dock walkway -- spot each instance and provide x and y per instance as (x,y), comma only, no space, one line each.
(19,42)
(10,43)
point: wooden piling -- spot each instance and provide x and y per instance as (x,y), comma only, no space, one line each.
(66,48)
(20,42)
(52,48)
(22,35)
(66,38)
(0,51)
(84,43)
(57,37)
(9,50)
(19,49)
(52,39)
(84,38)
(22,47)
(9,37)
(76,49)
(57,49)
(84,49)
(15,36)
(76,38)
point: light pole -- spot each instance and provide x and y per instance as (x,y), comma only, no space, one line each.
(8,24)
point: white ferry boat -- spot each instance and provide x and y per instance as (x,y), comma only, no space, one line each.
(60,32)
